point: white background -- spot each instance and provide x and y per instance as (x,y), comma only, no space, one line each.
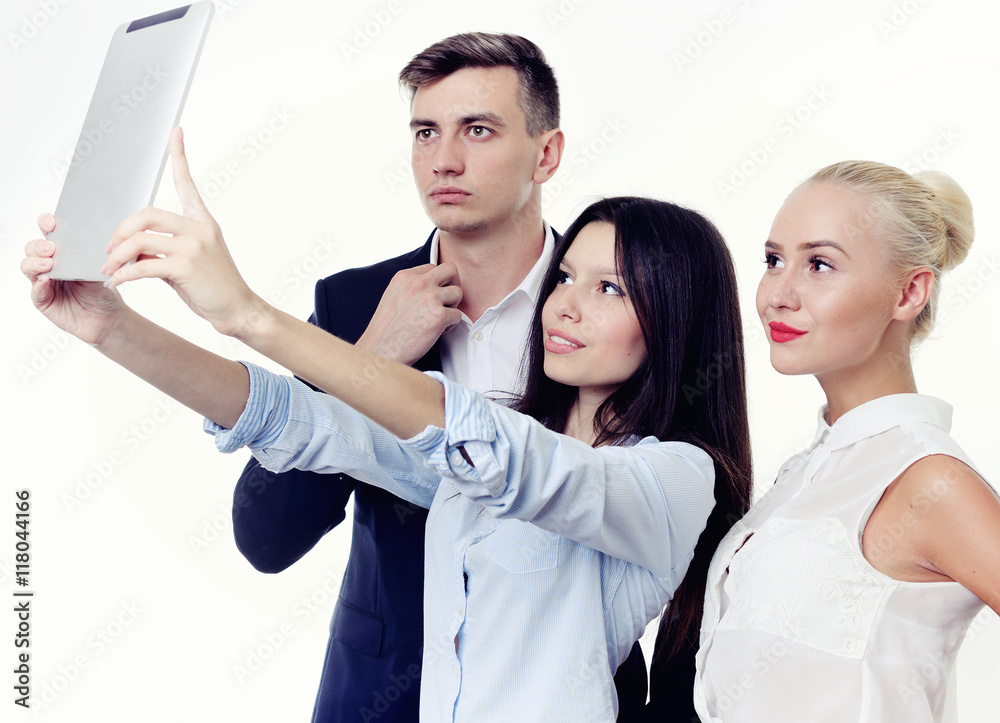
(683,94)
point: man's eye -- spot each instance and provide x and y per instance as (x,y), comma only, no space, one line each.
(479,131)
(425,134)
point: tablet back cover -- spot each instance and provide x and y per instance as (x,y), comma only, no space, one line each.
(122,149)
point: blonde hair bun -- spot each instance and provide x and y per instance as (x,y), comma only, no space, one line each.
(953,245)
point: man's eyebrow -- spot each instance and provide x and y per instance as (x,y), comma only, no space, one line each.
(491,118)
(422,123)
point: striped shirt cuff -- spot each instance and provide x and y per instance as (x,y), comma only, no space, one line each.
(264,416)
(467,420)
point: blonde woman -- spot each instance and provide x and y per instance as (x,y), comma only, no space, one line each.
(845,592)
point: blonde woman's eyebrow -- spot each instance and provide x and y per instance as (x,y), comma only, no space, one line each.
(808,246)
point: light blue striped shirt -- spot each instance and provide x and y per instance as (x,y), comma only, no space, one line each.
(544,561)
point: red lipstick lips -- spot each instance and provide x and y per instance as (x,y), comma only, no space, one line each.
(783,332)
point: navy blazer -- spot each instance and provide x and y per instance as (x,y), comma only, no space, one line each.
(372,666)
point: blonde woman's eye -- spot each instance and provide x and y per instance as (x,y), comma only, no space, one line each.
(773,262)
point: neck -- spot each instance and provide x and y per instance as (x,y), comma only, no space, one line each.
(492,263)
(847,389)
(580,421)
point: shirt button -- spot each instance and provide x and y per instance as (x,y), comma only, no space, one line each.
(478,336)
(456,458)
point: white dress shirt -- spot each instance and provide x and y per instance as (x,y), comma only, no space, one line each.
(486,355)
(798,626)
(544,561)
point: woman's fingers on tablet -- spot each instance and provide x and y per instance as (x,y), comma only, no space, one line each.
(191,201)
(152,219)
(146,268)
(140,245)
(46,222)
(37,257)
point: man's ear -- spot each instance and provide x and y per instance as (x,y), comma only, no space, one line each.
(551,145)
(914,293)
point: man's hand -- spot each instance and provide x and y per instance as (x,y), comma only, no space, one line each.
(418,306)
(85,309)
(187,251)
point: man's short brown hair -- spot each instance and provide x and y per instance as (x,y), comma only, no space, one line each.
(538,93)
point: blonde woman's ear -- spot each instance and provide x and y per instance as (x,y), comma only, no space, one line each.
(915,292)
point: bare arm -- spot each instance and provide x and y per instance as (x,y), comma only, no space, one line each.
(938,521)
(192,257)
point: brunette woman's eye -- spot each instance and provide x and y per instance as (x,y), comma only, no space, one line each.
(611,289)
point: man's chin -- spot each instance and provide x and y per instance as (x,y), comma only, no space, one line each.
(462,228)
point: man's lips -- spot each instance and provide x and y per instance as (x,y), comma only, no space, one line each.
(559,343)
(449,194)
(783,332)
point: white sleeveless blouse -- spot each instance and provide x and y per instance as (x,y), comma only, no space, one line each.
(798,626)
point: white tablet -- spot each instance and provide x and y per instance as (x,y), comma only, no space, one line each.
(122,149)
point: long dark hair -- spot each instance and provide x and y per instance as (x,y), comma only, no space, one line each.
(691,387)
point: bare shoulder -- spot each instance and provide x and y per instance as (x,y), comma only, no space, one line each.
(940,481)
(957,527)
(935,517)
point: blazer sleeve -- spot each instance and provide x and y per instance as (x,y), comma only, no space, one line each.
(278,518)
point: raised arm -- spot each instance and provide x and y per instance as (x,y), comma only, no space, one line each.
(209,384)
(189,253)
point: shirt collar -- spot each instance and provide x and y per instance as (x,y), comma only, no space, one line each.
(881,414)
(530,284)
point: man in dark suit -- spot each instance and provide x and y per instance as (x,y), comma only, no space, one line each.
(485,123)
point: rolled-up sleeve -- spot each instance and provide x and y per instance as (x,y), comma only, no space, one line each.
(287,426)
(646,503)
(263,417)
